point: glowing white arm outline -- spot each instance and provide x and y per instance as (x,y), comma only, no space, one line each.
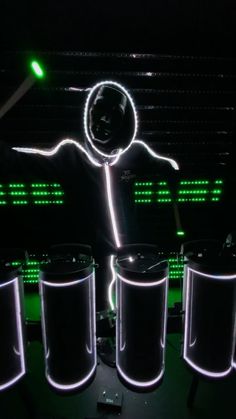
(141,384)
(64,284)
(173,163)
(54,150)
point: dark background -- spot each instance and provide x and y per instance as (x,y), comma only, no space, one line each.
(170,27)
(183,81)
(177,58)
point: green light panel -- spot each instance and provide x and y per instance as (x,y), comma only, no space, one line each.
(176,267)
(188,191)
(30,269)
(23,194)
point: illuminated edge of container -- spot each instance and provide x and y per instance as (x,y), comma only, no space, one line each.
(19,333)
(129,380)
(203,371)
(81,383)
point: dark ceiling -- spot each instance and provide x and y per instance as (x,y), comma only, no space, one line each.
(191,27)
(177,58)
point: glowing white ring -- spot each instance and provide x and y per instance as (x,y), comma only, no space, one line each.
(13,381)
(142,284)
(186,329)
(74,385)
(206,372)
(213,276)
(141,384)
(8,283)
(64,284)
(86,110)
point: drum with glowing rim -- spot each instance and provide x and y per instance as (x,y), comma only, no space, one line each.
(209,324)
(142,285)
(12,347)
(68,323)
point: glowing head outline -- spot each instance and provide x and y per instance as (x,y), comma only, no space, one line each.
(95,88)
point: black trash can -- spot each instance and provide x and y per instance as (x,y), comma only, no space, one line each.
(12,336)
(142,286)
(68,323)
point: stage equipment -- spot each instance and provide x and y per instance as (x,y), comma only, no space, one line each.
(209,306)
(12,335)
(110,126)
(142,285)
(67,289)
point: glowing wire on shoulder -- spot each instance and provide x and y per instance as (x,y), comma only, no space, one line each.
(54,150)
(173,163)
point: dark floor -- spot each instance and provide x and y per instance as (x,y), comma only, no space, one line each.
(213,400)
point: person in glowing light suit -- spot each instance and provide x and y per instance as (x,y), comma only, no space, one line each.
(110,125)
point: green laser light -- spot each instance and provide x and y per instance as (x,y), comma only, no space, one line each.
(37,69)
(180,233)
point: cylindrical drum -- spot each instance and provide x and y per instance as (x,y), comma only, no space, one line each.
(68,323)
(12,347)
(229,249)
(200,248)
(209,323)
(142,285)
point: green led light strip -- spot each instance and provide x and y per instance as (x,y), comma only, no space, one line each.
(143,183)
(27,194)
(47,202)
(164,192)
(30,269)
(187,191)
(176,267)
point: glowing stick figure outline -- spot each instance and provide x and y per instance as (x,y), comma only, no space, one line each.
(108,160)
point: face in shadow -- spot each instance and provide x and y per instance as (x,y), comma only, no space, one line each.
(110,119)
